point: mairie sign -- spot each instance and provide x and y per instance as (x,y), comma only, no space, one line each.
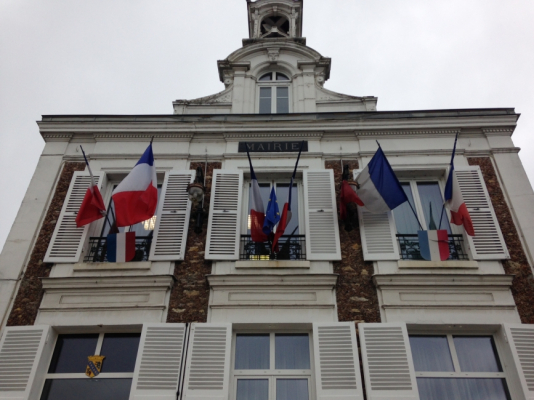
(275,147)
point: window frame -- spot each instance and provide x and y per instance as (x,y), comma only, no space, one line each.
(272,374)
(274,85)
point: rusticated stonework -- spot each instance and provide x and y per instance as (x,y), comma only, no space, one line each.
(523,283)
(190,293)
(356,295)
(30,291)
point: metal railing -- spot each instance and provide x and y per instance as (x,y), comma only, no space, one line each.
(291,247)
(98,249)
(410,250)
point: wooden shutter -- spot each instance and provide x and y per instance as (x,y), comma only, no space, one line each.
(387,362)
(172,221)
(159,358)
(488,242)
(24,350)
(337,368)
(520,338)
(379,235)
(67,241)
(322,231)
(208,362)
(224,226)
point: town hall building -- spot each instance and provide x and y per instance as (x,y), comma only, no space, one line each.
(346,309)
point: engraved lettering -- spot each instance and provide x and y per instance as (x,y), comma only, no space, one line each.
(260,147)
(294,146)
(250,147)
(278,147)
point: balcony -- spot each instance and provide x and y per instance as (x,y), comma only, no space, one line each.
(409,247)
(98,249)
(292,247)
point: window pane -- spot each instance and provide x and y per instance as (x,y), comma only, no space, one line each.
(86,389)
(120,350)
(292,351)
(292,389)
(281,77)
(282,100)
(404,216)
(267,77)
(431,353)
(252,352)
(71,352)
(252,389)
(431,198)
(477,354)
(462,389)
(265,100)
(282,191)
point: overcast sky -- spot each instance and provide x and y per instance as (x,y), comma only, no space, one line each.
(137,56)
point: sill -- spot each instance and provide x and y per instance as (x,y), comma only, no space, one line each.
(272,264)
(107,266)
(438,264)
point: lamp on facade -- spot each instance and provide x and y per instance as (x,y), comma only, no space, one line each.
(196,192)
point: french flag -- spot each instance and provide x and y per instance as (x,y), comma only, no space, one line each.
(454,200)
(378,186)
(92,207)
(136,197)
(434,244)
(121,247)
(257,212)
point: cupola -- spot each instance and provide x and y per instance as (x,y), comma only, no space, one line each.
(274,19)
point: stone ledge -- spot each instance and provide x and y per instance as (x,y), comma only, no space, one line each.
(272,264)
(143,265)
(438,264)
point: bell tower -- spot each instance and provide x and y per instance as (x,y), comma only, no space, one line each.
(274,19)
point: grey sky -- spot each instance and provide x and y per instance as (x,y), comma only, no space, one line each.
(137,56)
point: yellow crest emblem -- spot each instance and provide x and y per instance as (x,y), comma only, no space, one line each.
(94,366)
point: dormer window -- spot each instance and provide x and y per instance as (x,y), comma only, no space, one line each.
(273,93)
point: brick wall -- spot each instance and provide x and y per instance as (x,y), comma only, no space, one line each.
(355,292)
(190,293)
(30,292)
(523,283)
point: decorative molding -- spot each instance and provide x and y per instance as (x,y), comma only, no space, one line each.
(163,137)
(273,53)
(255,280)
(498,131)
(446,132)
(251,135)
(455,280)
(57,137)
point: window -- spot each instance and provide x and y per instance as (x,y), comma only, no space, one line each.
(66,377)
(273,93)
(426,199)
(143,235)
(272,366)
(291,244)
(458,367)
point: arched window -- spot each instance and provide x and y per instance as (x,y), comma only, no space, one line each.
(273,93)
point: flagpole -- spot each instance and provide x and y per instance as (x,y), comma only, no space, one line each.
(410,204)
(451,163)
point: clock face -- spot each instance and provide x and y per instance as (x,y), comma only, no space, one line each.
(275,27)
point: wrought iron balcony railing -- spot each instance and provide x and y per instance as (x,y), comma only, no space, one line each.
(410,250)
(98,249)
(291,247)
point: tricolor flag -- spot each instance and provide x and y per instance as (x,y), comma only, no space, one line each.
(378,186)
(92,207)
(454,200)
(347,196)
(136,197)
(434,244)
(286,211)
(121,247)
(272,216)
(257,212)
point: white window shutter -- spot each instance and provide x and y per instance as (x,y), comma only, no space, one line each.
(322,231)
(488,242)
(387,362)
(224,225)
(520,339)
(172,221)
(208,362)
(24,354)
(159,358)
(378,233)
(67,240)
(337,368)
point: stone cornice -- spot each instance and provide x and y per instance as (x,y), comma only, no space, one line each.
(498,132)
(271,134)
(57,137)
(433,132)
(166,137)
